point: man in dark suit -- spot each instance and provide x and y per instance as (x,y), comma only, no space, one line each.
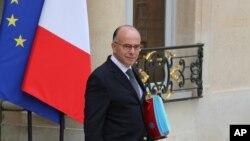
(114,104)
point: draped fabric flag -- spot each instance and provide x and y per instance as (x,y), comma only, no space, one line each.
(59,64)
(17,29)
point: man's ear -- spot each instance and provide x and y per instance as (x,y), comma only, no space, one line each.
(113,45)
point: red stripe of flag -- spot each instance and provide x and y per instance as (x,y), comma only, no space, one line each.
(57,72)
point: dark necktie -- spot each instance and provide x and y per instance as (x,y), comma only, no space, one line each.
(134,82)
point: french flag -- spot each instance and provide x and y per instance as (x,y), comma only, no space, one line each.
(60,64)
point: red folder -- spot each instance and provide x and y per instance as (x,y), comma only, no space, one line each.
(156,117)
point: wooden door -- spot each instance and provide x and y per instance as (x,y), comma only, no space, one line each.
(149,19)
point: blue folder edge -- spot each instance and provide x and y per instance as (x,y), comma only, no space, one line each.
(161,116)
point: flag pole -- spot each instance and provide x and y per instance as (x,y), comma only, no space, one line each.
(1,118)
(62,126)
(29,125)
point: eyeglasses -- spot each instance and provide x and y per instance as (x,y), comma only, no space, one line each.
(129,46)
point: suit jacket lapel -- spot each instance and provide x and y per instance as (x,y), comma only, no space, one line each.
(121,77)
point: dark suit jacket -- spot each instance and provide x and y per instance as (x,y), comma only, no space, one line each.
(113,111)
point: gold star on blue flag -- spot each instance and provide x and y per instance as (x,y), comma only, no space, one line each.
(17,31)
(12,20)
(14,1)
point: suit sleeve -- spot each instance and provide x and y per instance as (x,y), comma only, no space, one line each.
(96,104)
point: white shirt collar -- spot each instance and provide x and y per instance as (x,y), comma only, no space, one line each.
(119,64)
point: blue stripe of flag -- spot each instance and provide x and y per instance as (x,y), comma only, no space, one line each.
(14,56)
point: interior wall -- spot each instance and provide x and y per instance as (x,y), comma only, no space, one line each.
(184,22)
(229,50)
(104,18)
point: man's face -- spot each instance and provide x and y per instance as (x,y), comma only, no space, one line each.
(127,46)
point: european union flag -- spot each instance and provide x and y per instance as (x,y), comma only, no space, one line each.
(17,30)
